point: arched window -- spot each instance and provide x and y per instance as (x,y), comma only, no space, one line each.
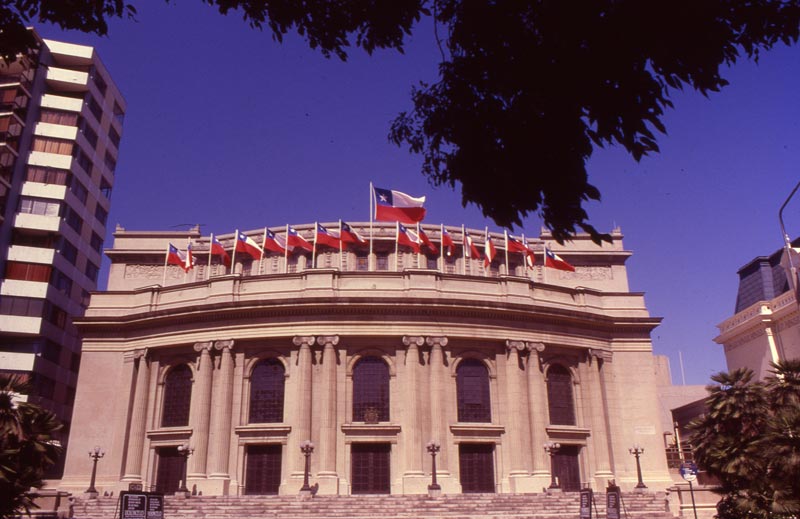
(177,397)
(559,396)
(266,392)
(472,384)
(371,390)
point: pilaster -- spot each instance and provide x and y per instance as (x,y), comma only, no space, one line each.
(301,431)
(201,412)
(220,428)
(518,475)
(135,447)
(438,417)
(414,481)
(600,435)
(538,413)
(327,476)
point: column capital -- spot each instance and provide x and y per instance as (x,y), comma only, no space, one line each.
(203,347)
(436,341)
(538,347)
(133,355)
(224,345)
(516,346)
(413,340)
(303,340)
(325,340)
(598,354)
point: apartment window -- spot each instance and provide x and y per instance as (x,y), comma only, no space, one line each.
(61,282)
(177,397)
(21,306)
(47,175)
(79,190)
(89,133)
(362,262)
(75,363)
(266,392)
(105,188)
(39,206)
(99,82)
(51,351)
(83,160)
(113,135)
(559,396)
(85,296)
(110,161)
(43,386)
(96,242)
(472,388)
(33,239)
(73,220)
(382,261)
(58,117)
(50,145)
(119,113)
(69,251)
(94,107)
(101,214)
(28,271)
(371,390)
(54,315)
(91,271)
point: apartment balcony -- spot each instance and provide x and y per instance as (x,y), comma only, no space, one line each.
(20,324)
(20,288)
(57,102)
(10,130)
(16,361)
(14,99)
(38,222)
(17,79)
(52,160)
(31,254)
(66,80)
(56,131)
(51,191)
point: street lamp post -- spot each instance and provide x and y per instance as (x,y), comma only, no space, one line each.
(637,450)
(433,448)
(185,451)
(95,454)
(306,447)
(551,448)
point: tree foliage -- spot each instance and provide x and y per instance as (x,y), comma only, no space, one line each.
(749,439)
(527,89)
(27,446)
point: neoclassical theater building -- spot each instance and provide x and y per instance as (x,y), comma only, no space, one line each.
(370,356)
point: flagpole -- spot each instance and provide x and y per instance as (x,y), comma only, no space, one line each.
(210,247)
(371,214)
(396,246)
(485,249)
(419,237)
(261,259)
(441,245)
(505,237)
(314,247)
(233,256)
(533,267)
(464,250)
(341,247)
(286,251)
(166,260)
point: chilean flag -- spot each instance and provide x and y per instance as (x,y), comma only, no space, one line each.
(515,245)
(407,238)
(272,242)
(294,240)
(424,240)
(326,237)
(188,264)
(473,250)
(247,245)
(552,260)
(395,206)
(348,235)
(176,257)
(447,242)
(489,251)
(218,250)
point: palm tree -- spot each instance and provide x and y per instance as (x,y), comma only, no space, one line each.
(27,445)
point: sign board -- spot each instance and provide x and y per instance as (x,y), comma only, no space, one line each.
(586,503)
(141,505)
(613,503)
(688,471)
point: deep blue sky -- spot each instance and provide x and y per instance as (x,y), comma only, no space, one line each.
(227,128)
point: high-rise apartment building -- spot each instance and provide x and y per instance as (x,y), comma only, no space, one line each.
(60,125)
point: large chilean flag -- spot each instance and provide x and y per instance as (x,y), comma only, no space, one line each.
(395,206)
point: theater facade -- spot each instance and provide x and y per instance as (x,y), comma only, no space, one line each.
(370,353)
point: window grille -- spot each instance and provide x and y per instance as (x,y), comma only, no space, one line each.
(177,397)
(472,383)
(266,392)
(371,390)
(559,396)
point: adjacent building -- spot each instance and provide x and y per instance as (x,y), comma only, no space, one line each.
(60,127)
(370,353)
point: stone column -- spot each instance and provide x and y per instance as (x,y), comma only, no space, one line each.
(327,419)
(201,409)
(137,429)
(438,418)
(599,424)
(514,388)
(411,428)
(221,413)
(538,410)
(303,400)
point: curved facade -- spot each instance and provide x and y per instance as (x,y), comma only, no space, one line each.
(368,364)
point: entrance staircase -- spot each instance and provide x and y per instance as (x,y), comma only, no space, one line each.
(650,505)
